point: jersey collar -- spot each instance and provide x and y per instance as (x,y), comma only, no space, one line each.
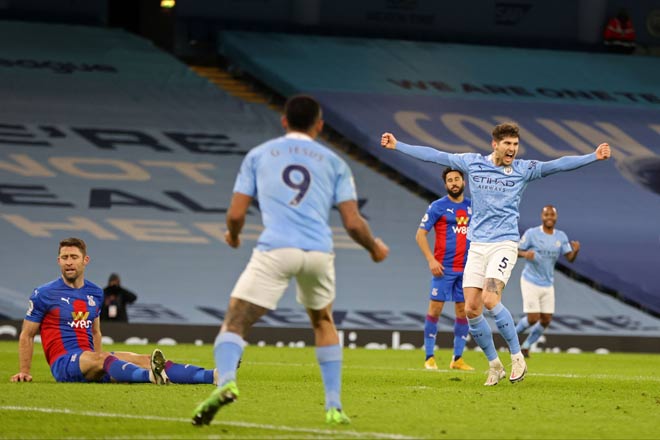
(298,135)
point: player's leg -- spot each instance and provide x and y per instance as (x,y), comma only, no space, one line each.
(461,330)
(257,291)
(174,372)
(533,298)
(473,279)
(436,303)
(315,290)
(501,259)
(94,366)
(547,308)
(531,305)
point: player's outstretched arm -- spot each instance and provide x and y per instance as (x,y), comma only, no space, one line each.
(358,229)
(236,218)
(25,350)
(568,163)
(428,154)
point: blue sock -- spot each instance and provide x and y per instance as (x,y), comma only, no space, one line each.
(534,335)
(123,371)
(179,373)
(483,336)
(461,329)
(430,332)
(330,358)
(507,328)
(522,325)
(227,351)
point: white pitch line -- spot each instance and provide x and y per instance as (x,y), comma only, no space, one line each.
(440,370)
(228,423)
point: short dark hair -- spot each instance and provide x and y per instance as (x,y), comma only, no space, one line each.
(302,112)
(508,129)
(449,170)
(73,242)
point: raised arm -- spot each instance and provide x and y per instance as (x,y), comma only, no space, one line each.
(25,351)
(358,229)
(427,154)
(572,255)
(568,163)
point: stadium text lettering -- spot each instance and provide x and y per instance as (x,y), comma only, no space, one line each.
(520,91)
(112,139)
(580,136)
(150,230)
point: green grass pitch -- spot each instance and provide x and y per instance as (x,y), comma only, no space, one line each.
(387,394)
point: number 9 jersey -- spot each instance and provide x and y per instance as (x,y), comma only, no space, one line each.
(297,181)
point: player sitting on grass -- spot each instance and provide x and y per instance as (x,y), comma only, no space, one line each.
(66,311)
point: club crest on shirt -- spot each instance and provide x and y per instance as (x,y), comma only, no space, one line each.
(557,243)
(90,301)
(469,210)
(508,170)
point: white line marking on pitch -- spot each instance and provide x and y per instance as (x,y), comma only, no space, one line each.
(440,370)
(228,423)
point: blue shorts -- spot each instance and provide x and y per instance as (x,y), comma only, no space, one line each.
(66,368)
(447,288)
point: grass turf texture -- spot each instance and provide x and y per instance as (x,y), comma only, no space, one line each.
(386,393)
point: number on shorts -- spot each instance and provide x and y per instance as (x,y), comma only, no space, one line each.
(503,265)
(301,186)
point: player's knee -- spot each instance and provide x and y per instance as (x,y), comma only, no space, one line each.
(472,310)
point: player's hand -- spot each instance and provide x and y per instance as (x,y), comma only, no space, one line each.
(437,269)
(387,140)
(575,245)
(380,251)
(231,241)
(529,255)
(603,151)
(21,377)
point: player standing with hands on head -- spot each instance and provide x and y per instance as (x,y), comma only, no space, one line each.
(449,217)
(297,181)
(497,182)
(541,247)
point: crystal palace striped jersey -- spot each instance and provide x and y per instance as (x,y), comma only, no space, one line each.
(66,316)
(450,221)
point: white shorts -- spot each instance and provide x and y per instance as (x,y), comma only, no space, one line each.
(489,260)
(537,299)
(268,273)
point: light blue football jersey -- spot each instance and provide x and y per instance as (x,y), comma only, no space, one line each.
(495,190)
(547,249)
(297,181)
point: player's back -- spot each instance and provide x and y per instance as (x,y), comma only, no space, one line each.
(66,316)
(297,182)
